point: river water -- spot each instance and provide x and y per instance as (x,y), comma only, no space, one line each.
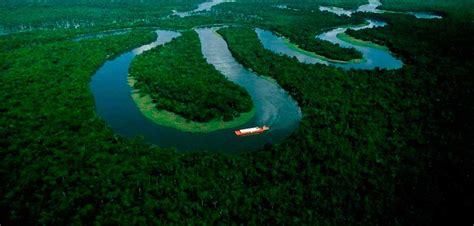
(373,57)
(205,6)
(373,7)
(274,107)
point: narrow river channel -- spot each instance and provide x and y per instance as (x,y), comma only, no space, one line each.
(372,57)
(274,107)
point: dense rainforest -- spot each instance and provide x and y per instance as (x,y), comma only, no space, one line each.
(448,90)
(339,3)
(300,27)
(388,99)
(375,147)
(92,2)
(83,16)
(452,7)
(179,80)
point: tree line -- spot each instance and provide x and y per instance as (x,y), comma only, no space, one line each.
(179,80)
(300,27)
(373,148)
(403,133)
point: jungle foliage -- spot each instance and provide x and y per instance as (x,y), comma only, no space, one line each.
(51,137)
(301,27)
(445,70)
(80,16)
(452,7)
(339,3)
(179,80)
(92,2)
(373,148)
(406,131)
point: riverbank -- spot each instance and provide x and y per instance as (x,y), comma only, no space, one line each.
(169,119)
(349,39)
(296,48)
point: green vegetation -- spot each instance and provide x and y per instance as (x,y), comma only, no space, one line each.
(165,118)
(179,80)
(347,38)
(51,138)
(91,2)
(387,125)
(454,8)
(52,15)
(373,148)
(344,111)
(312,4)
(442,76)
(346,4)
(89,17)
(297,48)
(301,27)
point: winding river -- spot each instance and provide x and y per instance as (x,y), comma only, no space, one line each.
(372,7)
(274,107)
(205,6)
(372,57)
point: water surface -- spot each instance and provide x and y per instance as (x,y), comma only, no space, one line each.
(205,6)
(373,57)
(336,10)
(372,7)
(274,107)
(425,15)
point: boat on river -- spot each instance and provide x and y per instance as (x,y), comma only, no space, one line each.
(251,131)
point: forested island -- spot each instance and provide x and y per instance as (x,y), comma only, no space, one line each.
(373,147)
(300,27)
(178,79)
